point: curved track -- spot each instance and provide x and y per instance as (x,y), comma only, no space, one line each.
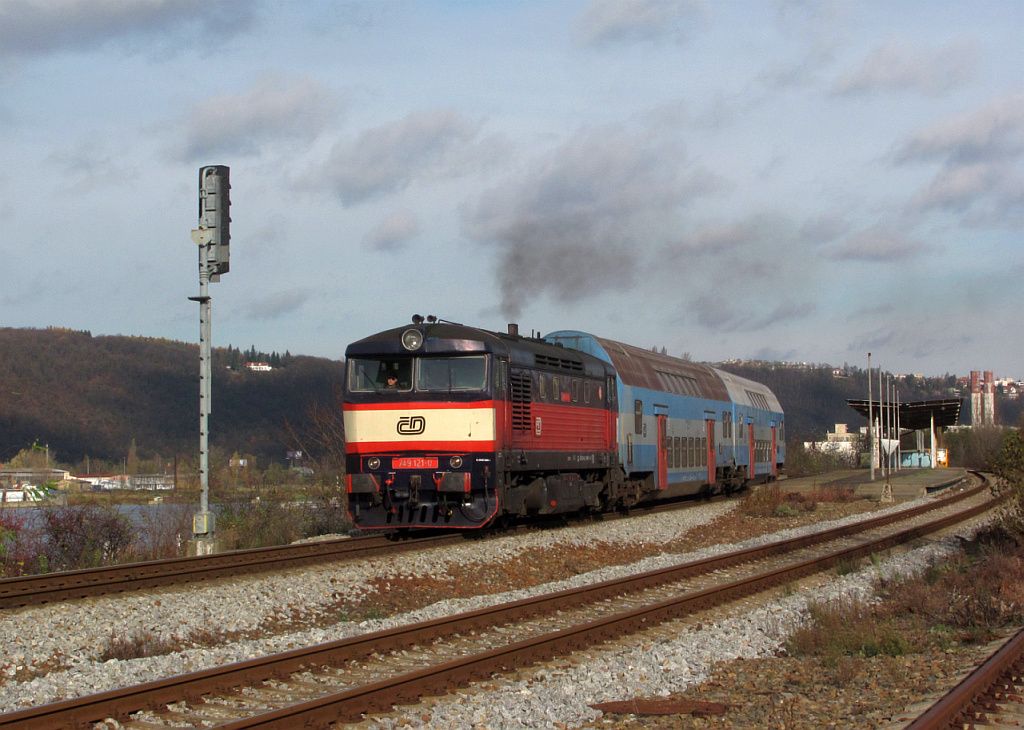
(990,696)
(337,685)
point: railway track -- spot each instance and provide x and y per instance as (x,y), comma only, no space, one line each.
(33,590)
(990,696)
(346,679)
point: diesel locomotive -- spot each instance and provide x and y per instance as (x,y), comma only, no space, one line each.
(450,426)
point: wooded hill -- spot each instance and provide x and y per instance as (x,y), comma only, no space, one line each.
(814,398)
(84,395)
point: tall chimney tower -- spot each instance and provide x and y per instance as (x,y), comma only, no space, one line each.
(983,398)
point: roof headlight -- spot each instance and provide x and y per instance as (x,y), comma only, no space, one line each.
(412,339)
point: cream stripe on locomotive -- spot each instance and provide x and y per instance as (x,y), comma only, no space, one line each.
(420,424)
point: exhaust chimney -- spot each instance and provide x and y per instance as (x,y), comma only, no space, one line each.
(513,329)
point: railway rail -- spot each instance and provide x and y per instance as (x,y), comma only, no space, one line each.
(32,590)
(344,680)
(51,587)
(990,696)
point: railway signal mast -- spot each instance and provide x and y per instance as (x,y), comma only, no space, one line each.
(213,237)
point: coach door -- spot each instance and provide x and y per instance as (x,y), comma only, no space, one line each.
(662,471)
(774,453)
(752,451)
(710,424)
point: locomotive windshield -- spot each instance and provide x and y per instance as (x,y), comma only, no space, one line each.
(367,375)
(451,373)
(428,374)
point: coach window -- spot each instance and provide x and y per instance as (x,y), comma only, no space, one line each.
(575,390)
(678,452)
(586,392)
(638,417)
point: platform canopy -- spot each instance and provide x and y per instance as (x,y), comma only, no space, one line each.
(916,415)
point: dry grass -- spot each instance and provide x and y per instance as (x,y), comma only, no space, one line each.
(964,600)
(138,645)
(770,501)
(833,494)
(849,629)
(145,643)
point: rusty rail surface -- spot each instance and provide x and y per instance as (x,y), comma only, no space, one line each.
(976,697)
(32,590)
(50,587)
(352,704)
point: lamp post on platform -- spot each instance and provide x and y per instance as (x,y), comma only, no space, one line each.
(871,425)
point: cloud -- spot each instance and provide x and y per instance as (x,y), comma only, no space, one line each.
(913,341)
(980,154)
(393,232)
(609,22)
(275,108)
(716,313)
(39,27)
(273,306)
(823,229)
(582,216)
(957,187)
(392,156)
(802,71)
(896,66)
(716,267)
(878,244)
(990,133)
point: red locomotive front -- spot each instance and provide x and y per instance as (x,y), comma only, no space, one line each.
(449,426)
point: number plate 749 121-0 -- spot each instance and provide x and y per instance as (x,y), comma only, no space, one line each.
(414,462)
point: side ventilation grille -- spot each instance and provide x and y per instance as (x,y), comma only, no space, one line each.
(520,382)
(558,363)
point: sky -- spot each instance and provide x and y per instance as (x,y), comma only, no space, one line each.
(806,181)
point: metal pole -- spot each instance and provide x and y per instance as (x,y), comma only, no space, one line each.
(889,424)
(888,419)
(881,433)
(213,238)
(202,521)
(871,425)
(899,441)
(205,310)
(932,433)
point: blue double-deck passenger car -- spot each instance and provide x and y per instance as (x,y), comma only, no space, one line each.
(688,426)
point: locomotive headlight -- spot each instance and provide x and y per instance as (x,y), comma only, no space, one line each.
(455,462)
(412,339)
(373,463)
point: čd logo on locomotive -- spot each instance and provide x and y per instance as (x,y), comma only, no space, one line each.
(411,425)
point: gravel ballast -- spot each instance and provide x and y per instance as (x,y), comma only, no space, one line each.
(72,636)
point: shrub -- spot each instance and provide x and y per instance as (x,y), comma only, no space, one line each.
(84,536)
(762,501)
(833,493)
(137,645)
(17,544)
(769,501)
(846,629)
(162,533)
